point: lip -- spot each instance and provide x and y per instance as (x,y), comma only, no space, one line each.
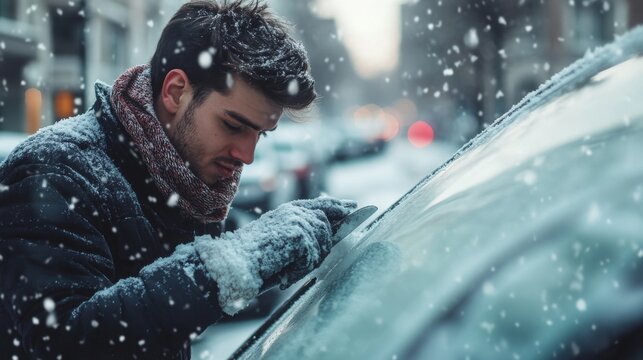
(226,170)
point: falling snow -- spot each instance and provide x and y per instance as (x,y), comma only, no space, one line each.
(229,80)
(173,200)
(205,59)
(49,304)
(594,214)
(293,87)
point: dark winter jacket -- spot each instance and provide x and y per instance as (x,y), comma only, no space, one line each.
(91,261)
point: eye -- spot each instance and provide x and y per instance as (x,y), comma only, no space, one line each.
(231,127)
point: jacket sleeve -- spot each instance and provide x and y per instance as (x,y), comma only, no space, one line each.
(55,271)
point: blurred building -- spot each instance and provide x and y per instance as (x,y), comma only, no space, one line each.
(337,83)
(468,61)
(15,53)
(61,47)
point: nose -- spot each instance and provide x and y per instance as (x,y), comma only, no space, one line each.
(244,150)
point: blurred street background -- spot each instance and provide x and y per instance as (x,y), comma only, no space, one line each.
(402,84)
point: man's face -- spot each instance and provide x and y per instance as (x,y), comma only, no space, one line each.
(218,136)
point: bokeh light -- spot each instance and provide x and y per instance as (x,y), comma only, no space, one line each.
(391,126)
(420,134)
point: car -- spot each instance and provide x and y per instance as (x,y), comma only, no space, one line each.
(263,185)
(358,139)
(301,153)
(8,141)
(526,244)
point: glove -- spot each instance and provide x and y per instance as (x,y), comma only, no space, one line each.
(286,244)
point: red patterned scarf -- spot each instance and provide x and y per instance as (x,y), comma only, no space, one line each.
(132,101)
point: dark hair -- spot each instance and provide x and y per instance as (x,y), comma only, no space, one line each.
(211,40)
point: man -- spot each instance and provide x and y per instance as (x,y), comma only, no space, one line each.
(100,215)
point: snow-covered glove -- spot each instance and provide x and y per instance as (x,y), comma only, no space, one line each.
(286,244)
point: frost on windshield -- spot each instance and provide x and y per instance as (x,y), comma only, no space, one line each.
(565,294)
(343,302)
(538,258)
(521,267)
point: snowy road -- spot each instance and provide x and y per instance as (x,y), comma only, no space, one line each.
(381,180)
(378,180)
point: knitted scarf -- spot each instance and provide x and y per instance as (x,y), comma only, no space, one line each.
(132,101)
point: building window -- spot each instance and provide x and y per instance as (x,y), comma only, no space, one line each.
(115,44)
(8,9)
(67,31)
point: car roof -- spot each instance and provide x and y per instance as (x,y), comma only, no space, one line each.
(523,244)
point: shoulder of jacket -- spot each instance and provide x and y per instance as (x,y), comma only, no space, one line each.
(76,144)
(75,148)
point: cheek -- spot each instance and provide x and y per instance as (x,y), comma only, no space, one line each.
(209,141)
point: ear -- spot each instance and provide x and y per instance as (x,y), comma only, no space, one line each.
(174,91)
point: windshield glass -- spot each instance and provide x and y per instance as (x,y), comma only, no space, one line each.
(501,253)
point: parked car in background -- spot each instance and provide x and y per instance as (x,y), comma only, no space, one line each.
(525,245)
(358,139)
(8,141)
(264,185)
(301,152)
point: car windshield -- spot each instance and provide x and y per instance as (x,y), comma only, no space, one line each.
(500,253)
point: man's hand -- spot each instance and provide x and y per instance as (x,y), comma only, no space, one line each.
(286,244)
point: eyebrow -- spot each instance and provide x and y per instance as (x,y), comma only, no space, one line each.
(245,121)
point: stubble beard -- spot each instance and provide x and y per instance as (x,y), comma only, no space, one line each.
(187,146)
(184,136)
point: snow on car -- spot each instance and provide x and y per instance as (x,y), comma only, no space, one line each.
(526,244)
